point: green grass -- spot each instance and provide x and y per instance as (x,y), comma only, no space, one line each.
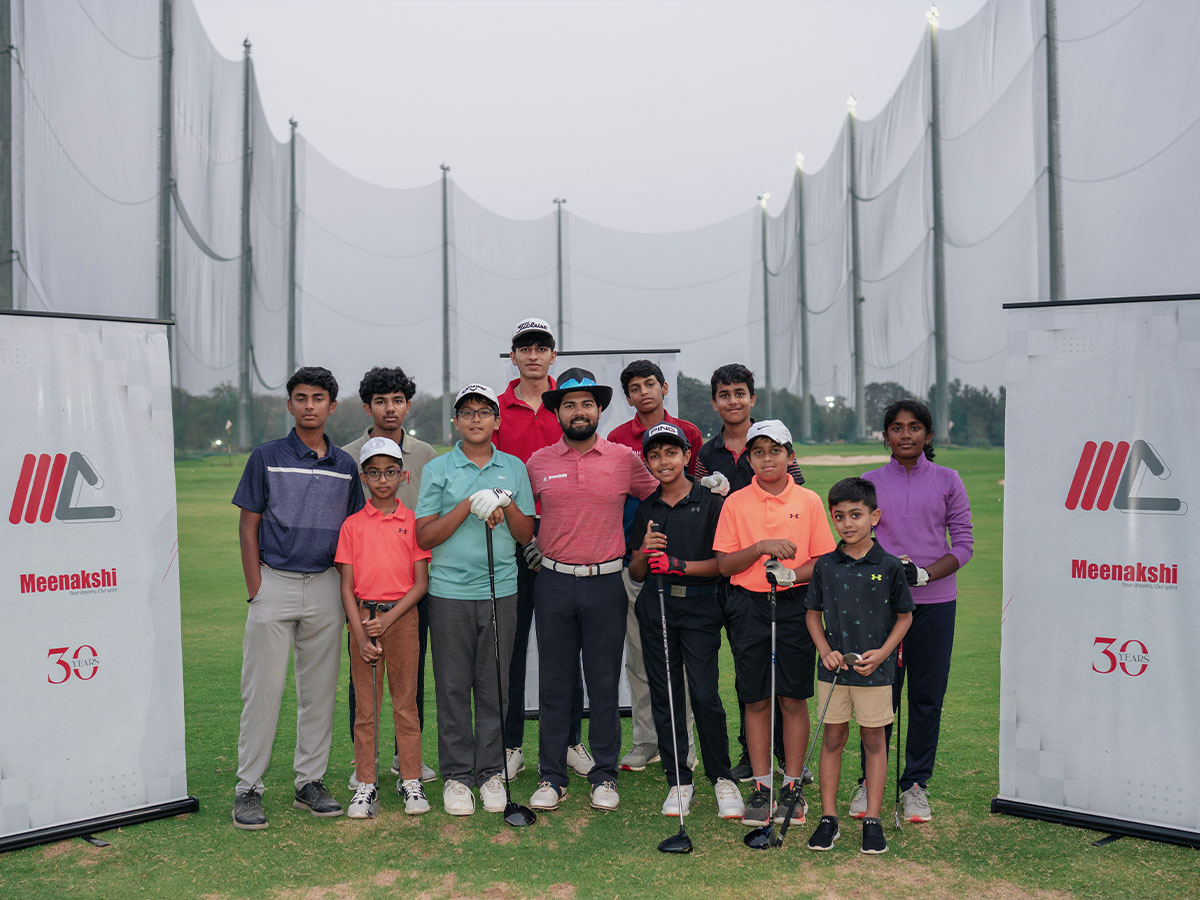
(575,852)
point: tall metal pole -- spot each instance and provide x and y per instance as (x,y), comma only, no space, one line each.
(941,396)
(762,201)
(558,202)
(166,293)
(1058,283)
(802,302)
(293,216)
(860,391)
(445,307)
(243,432)
(8,256)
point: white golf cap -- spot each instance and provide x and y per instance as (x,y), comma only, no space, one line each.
(379,446)
(527,325)
(771,428)
(482,391)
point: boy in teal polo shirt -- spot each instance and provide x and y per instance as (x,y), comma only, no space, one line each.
(472,488)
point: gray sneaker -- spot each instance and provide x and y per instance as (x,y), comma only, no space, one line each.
(248,812)
(858,803)
(916,804)
(315,797)
(639,756)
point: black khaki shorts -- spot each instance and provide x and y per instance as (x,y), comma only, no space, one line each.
(749,613)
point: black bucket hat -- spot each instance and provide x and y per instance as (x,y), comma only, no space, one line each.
(575,379)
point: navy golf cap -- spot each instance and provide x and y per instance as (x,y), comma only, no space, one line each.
(664,431)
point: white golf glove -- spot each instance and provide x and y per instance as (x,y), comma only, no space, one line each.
(487,501)
(778,573)
(533,554)
(717,483)
(914,574)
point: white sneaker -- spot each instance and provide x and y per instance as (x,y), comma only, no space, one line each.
(365,804)
(491,792)
(427,774)
(729,799)
(514,761)
(457,798)
(579,760)
(605,796)
(858,803)
(415,802)
(546,796)
(670,806)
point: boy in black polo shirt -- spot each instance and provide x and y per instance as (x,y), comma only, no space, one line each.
(867,608)
(671,539)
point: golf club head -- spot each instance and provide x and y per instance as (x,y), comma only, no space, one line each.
(676,843)
(761,838)
(517,815)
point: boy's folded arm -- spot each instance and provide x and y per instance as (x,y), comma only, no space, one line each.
(435,530)
(737,561)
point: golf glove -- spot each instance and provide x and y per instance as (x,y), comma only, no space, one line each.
(667,565)
(915,575)
(778,573)
(487,501)
(717,483)
(533,554)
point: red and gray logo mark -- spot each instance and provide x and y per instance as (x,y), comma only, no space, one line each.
(49,488)
(1110,475)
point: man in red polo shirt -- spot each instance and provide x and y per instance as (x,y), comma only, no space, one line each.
(527,426)
(645,389)
(581,483)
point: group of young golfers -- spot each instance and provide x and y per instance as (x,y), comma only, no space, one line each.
(650,542)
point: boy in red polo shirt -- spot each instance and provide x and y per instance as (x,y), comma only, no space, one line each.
(384,574)
(772,527)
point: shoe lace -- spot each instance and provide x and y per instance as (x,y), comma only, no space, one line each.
(319,787)
(413,790)
(363,793)
(582,751)
(727,790)
(611,785)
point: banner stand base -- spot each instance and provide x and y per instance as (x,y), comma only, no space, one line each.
(100,823)
(1104,824)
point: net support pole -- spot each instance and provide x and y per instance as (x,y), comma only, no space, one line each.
(293,216)
(560,333)
(243,423)
(8,256)
(762,201)
(445,306)
(802,302)
(1058,287)
(860,391)
(941,390)
(166,292)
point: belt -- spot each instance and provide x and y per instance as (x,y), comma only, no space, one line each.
(693,590)
(604,568)
(379,607)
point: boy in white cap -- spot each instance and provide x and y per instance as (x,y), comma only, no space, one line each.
(465,492)
(384,574)
(769,536)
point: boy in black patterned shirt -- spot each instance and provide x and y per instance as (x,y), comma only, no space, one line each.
(862,594)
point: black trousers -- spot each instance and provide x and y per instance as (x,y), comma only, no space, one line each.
(575,616)
(693,640)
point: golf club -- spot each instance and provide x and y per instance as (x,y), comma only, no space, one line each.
(899,703)
(514,813)
(374,699)
(850,659)
(676,843)
(764,836)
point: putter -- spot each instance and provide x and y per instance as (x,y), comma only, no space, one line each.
(899,703)
(850,660)
(763,837)
(676,843)
(374,699)
(514,813)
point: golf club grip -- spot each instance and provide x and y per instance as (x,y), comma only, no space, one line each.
(371,610)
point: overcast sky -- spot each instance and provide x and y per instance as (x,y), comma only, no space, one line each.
(647,115)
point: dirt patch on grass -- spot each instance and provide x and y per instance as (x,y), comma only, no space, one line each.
(875,459)
(507,836)
(386,877)
(452,833)
(55,850)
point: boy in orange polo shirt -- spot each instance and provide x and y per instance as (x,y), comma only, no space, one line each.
(384,574)
(772,527)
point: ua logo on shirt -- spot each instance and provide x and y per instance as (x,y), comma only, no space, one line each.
(877,578)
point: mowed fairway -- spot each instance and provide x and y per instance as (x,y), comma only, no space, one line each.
(577,851)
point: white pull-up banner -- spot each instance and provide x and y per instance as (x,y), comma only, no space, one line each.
(90,660)
(1099,718)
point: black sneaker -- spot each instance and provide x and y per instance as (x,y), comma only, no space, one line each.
(827,832)
(743,771)
(315,797)
(791,798)
(758,807)
(873,840)
(248,812)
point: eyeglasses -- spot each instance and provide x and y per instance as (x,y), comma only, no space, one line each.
(473,414)
(376,474)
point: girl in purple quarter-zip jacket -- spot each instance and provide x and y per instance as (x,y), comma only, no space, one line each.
(926,521)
